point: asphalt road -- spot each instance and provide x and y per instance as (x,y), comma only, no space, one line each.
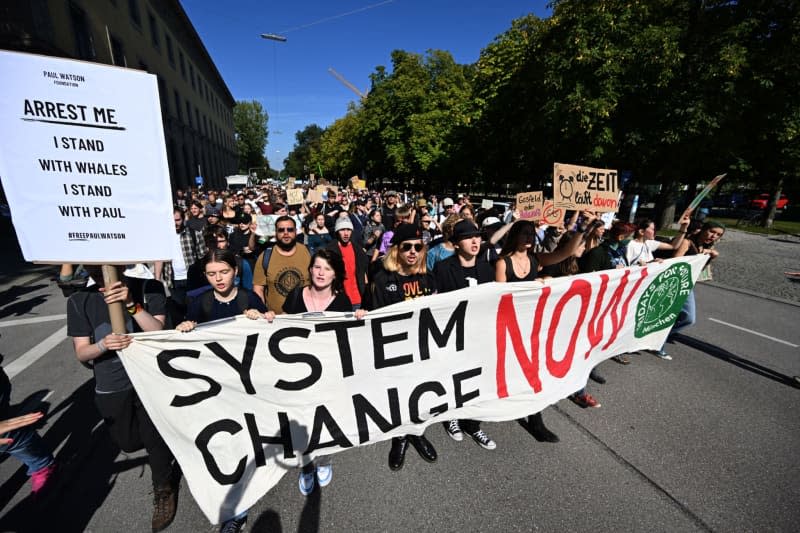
(708,441)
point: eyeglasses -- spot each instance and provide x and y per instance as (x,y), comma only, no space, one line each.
(285,230)
(407,246)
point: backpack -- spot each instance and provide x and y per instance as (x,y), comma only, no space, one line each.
(207,302)
(265,258)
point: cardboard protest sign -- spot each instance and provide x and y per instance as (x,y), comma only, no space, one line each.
(314,196)
(552,215)
(294,196)
(265,225)
(487,203)
(704,192)
(361,185)
(290,183)
(494,352)
(529,205)
(579,188)
(83,162)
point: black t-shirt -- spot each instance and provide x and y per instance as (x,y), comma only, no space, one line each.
(196,224)
(87,316)
(391,287)
(222,309)
(294,302)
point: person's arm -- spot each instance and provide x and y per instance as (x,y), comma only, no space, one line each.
(500,271)
(546,259)
(16,423)
(260,291)
(677,241)
(158,270)
(682,249)
(87,351)
(500,233)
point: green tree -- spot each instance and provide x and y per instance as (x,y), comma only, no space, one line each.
(306,141)
(250,123)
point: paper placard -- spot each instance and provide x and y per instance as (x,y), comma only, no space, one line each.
(487,204)
(314,196)
(552,215)
(265,225)
(83,162)
(529,205)
(361,185)
(290,183)
(579,188)
(294,196)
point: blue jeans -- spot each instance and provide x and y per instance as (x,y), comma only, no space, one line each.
(687,317)
(27,446)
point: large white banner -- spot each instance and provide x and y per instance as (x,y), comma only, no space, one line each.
(82,161)
(240,402)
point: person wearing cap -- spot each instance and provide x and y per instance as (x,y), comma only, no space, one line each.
(355,261)
(388,209)
(447,209)
(212,216)
(404,276)
(466,268)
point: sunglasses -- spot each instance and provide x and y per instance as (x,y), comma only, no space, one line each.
(285,230)
(407,246)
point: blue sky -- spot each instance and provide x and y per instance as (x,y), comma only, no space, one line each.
(291,79)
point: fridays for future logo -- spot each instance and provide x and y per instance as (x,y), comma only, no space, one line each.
(663,299)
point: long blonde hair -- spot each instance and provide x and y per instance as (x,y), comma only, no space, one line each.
(391,261)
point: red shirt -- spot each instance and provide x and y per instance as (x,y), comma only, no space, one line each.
(350,283)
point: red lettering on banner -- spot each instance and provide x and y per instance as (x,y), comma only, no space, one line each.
(507,324)
(583,289)
(594,329)
(618,320)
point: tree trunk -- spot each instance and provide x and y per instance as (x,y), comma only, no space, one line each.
(772,206)
(665,204)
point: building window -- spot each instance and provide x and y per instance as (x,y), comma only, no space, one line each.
(205,126)
(117,52)
(183,65)
(154,35)
(178,109)
(163,96)
(197,117)
(188,113)
(84,43)
(133,8)
(170,51)
(191,76)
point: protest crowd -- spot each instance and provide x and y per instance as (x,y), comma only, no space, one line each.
(253,252)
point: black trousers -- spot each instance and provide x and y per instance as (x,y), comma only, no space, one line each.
(469,426)
(131,428)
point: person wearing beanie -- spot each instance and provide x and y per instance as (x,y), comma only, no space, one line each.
(355,261)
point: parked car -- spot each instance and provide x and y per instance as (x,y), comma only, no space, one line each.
(762,200)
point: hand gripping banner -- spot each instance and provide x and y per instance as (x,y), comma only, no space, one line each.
(242,401)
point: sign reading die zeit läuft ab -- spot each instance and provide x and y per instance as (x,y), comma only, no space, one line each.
(82,161)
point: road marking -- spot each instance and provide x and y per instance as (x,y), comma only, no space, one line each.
(34,354)
(34,320)
(754,333)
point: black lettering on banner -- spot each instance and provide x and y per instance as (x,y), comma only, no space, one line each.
(462,398)
(284,438)
(243,368)
(164,359)
(343,341)
(227,426)
(427,324)
(323,418)
(413,400)
(379,340)
(282,357)
(364,409)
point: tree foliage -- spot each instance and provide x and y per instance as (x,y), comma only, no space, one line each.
(298,162)
(250,123)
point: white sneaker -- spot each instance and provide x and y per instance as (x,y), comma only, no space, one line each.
(324,475)
(484,440)
(454,430)
(306,483)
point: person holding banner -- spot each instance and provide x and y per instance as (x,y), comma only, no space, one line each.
(89,325)
(404,276)
(640,249)
(225,300)
(326,292)
(468,267)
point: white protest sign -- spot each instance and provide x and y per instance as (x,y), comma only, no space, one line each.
(242,402)
(265,225)
(294,196)
(487,203)
(82,161)
(579,188)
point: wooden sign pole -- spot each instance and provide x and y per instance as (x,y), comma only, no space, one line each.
(115,310)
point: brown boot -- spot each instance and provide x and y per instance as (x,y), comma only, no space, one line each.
(165,504)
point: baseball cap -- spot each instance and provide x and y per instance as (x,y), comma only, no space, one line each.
(464,230)
(405,232)
(343,223)
(447,202)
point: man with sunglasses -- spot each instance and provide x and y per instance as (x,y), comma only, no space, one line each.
(281,268)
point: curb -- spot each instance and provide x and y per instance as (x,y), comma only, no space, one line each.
(751,293)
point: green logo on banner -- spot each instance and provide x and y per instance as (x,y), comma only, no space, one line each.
(663,299)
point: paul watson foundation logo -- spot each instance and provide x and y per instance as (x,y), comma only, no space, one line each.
(658,308)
